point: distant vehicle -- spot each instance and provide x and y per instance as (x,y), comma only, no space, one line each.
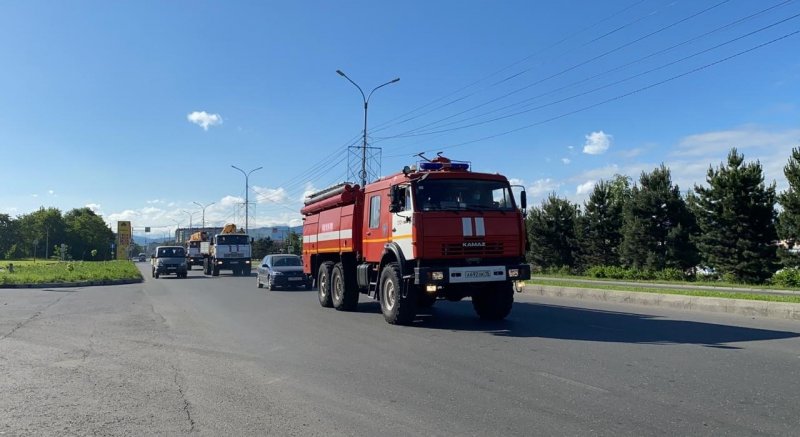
(282,270)
(197,249)
(169,260)
(230,250)
(142,258)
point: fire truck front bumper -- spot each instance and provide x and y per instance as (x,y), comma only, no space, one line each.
(433,276)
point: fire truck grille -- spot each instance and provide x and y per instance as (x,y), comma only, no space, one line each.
(458,249)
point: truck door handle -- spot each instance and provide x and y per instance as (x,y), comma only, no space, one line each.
(369,233)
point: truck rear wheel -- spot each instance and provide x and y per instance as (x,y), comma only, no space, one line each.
(397,310)
(324,284)
(214,268)
(494,302)
(343,293)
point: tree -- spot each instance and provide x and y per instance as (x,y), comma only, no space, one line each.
(9,235)
(736,216)
(657,225)
(263,247)
(41,230)
(551,232)
(86,231)
(601,226)
(789,219)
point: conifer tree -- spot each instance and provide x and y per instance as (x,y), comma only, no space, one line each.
(736,217)
(657,225)
(789,218)
(551,231)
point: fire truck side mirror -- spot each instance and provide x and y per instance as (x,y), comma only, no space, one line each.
(394,199)
(523,200)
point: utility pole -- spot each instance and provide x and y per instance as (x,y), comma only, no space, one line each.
(246,193)
(366,105)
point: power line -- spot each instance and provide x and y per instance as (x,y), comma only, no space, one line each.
(618,97)
(604,86)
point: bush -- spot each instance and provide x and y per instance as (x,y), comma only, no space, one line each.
(786,278)
(670,274)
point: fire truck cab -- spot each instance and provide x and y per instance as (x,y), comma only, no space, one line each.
(437,231)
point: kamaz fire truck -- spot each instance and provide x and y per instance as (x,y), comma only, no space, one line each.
(434,231)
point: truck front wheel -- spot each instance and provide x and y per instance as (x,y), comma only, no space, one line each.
(214,268)
(397,310)
(494,302)
(324,284)
(343,294)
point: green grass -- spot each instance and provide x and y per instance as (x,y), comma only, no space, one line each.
(720,284)
(685,292)
(40,272)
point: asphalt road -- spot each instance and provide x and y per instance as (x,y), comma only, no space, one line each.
(217,356)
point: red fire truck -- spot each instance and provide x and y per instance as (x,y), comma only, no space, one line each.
(434,231)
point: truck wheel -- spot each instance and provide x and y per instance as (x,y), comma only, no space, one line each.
(206,267)
(188,266)
(426,300)
(397,310)
(494,302)
(157,274)
(248,271)
(324,284)
(343,294)
(214,270)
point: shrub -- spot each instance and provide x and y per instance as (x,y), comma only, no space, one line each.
(786,278)
(670,274)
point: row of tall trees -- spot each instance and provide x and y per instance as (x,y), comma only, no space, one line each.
(730,224)
(41,233)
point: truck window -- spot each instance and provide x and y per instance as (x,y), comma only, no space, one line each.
(464,195)
(374,211)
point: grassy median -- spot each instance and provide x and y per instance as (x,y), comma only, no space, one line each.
(44,272)
(599,285)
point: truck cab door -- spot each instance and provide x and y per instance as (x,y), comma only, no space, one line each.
(376,225)
(401,220)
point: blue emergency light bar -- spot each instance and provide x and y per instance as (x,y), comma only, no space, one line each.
(453,165)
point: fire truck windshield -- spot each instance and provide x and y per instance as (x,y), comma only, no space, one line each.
(463,195)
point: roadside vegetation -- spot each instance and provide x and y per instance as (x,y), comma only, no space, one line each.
(43,272)
(734,229)
(643,288)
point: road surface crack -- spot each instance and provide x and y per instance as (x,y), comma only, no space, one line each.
(30,319)
(186,405)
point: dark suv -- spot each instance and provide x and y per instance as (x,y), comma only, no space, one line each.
(169,260)
(282,270)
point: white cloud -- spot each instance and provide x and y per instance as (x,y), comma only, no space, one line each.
(231,201)
(204,119)
(585,188)
(597,143)
(543,187)
(566,161)
(95,207)
(308,190)
(275,195)
(51,192)
(749,137)
(155,201)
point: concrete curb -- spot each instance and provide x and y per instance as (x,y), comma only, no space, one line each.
(773,310)
(74,284)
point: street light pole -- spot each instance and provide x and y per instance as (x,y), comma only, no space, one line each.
(204,212)
(191,214)
(366,105)
(246,193)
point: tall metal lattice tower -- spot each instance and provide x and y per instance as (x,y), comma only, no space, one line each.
(372,166)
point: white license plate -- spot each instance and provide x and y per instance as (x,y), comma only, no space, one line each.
(295,279)
(478,274)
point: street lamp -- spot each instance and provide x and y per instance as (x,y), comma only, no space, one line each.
(191,214)
(204,212)
(366,104)
(178,227)
(246,192)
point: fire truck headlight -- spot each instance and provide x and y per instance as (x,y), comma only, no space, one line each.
(437,276)
(430,288)
(247,261)
(513,273)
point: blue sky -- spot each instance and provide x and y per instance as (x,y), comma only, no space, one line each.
(139,109)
